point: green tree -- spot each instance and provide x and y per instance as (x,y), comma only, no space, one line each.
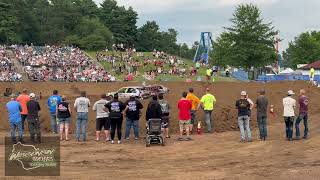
(304,49)
(8,22)
(121,21)
(90,34)
(148,36)
(251,40)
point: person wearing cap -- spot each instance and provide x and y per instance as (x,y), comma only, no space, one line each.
(195,106)
(165,109)
(303,115)
(53,101)
(23,99)
(82,105)
(33,107)
(289,104)
(64,117)
(243,107)
(14,108)
(133,108)
(208,101)
(262,108)
(102,116)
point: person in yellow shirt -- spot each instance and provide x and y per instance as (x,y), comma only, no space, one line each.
(208,101)
(195,106)
(311,75)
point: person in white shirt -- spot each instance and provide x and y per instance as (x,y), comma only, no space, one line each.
(82,105)
(102,120)
(289,104)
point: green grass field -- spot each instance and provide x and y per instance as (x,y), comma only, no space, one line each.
(140,78)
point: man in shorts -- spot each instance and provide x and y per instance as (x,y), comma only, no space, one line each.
(102,120)
(184,106)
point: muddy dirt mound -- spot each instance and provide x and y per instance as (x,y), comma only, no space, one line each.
(224,114)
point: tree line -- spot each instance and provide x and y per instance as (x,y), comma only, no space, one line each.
(81,23)
(248,42)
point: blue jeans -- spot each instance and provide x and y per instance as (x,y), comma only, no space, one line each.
(244,124)
(289,126)
(82,123)
(53,122)
(303,117)
(129,124)
(13,127)
(208,119)
(193,116)
(262,124)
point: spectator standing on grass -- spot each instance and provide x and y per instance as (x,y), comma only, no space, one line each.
(23,99)
(103,120)
(243,107)
(184,106)
(208,101)
(195,106)
(165,109)
(303,115)
(262,108)
(64,117)
(33,107)
(82,105)
(116,108)
(133,109)
(53,101)
(14,109)
(289,104)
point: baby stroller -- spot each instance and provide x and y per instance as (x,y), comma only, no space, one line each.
(154,133)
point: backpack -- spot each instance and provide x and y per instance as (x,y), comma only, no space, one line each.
(164,106)
(243,104)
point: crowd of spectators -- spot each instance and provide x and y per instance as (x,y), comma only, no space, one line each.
(133,63)
(56,63)
(7,69)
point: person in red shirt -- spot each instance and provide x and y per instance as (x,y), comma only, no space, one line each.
(184,106)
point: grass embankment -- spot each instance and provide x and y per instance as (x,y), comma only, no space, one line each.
(201,73)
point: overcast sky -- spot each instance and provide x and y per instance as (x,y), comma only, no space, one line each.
(190,17)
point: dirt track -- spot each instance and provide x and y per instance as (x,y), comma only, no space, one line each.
(217,156)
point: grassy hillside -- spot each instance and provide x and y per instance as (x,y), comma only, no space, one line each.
(140,78)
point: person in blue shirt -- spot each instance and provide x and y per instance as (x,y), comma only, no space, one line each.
(14,108)
(52,104)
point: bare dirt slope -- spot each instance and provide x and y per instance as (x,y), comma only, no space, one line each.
(216,156)
(224,113)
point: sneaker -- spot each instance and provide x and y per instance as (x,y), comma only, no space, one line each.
(180,139)
(128,139)
(242,141)
(119,142)
(112,142)
(136,139)
(188,139)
